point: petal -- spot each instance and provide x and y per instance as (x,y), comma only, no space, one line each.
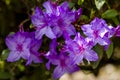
(38,21)
(34,58)
(64,5)
(38,11)
(50,7)
(40,32)
(57,31)
(26,43)
(87,30)
(90,55)
(78,13)
(72,68)
(20,37)
(25,54)
(13,56)
(76,59)
(58,72)
(49,33)
(35,45)
(68,17)
(53,45)
(103,41)
(48,65)
(71,30)
(10,43)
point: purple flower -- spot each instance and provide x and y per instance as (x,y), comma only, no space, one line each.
(117,31)
(62,17)
(64,65)
(55,20)
(34,47)
(51,55)
(80,48)
(99,31)
(62,61)
(19,45)
(42,23)
(23,45)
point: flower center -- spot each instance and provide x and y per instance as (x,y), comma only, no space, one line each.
(95,33)
(19,47)
(62,62)
(81,48)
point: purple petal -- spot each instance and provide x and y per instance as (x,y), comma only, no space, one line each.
(71,30)
(25,54)
(34,58)
(78,13)
(35,45)
(103,41)
(65,5)
(48,65)
(10,42)
(13,56)
(77,58)
(72,68)
(117,31)
(40,32)
(58,72)
(87,30)
(49,33)
(50,7)
(91,55)
(57,31)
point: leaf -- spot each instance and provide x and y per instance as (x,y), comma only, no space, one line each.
(7,2)
(99,3)
(115,20)
(21,67)
(4,54)
(84,17)
(109,51)
(80,2)
(71,4)
(5,75)
(109,14)
(99,50)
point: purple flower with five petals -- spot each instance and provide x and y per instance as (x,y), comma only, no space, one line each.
(23,45)
(42,23)
(19,45)
(80,48)
(99,31)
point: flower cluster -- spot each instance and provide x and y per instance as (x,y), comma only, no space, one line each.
(55,22)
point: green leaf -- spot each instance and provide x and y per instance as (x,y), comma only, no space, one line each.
(7,2)
(21,67)
(84,17)
(109,50)
(80,2)
(99,50)
(4,54)
(71,4)
(109,14)
(5,75)
(115,20)
(99,3)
